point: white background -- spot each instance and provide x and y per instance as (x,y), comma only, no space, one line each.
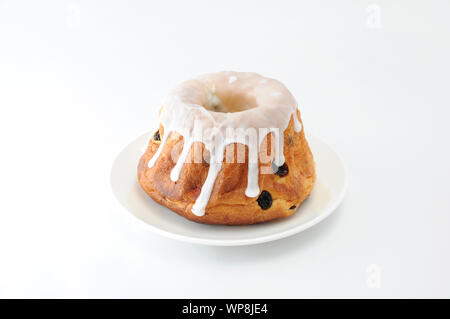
(80,79)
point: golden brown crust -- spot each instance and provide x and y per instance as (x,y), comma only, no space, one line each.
(228,204)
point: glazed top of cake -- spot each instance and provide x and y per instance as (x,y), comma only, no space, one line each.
(222,108)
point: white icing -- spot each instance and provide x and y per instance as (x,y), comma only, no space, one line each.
(297,124)
(200,105)
(175,173)
(232,79)
(253,171)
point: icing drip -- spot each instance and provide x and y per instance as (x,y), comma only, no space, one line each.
(199,111)
(161,146)
(279,147)
(297,124)
(175,173)
(253,171)
(215,166)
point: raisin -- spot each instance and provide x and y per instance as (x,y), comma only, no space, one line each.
(281,171)
(156,137)
(292,207)
(265,200)
(291,141)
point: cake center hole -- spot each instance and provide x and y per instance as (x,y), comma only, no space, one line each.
(229,102)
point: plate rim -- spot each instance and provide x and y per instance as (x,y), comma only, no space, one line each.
(241,242)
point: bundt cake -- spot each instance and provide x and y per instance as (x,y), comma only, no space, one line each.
(230,149)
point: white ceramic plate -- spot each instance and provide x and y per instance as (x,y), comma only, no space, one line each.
(327,194)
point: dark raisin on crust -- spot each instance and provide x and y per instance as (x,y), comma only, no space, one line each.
(292,207)
(281,171)
(291,141)
(265,200)
(156,137)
